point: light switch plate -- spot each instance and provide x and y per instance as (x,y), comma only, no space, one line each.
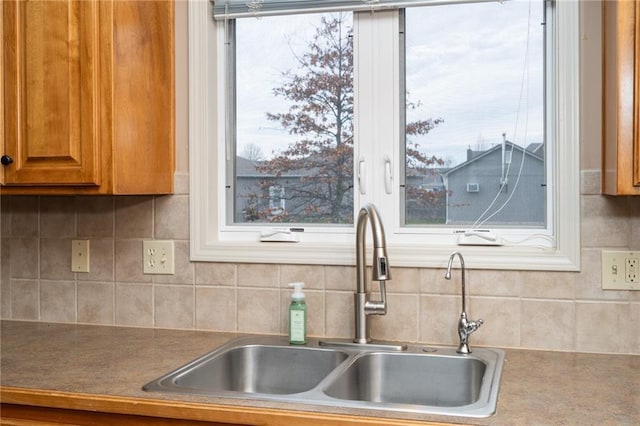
(158,257)
(620,270)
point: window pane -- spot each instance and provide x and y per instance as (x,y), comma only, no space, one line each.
(475,142)
(294,120)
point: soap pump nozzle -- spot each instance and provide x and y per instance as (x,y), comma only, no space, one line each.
(297,295)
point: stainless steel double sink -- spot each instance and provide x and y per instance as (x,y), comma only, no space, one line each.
(433,380)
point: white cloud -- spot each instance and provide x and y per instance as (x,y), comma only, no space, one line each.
(466,68)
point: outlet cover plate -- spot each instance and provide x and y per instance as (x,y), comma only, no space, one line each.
(80,256)
(158,257)
(620,270)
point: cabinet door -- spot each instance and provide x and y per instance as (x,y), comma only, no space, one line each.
(621,148)
(636,104)
(51,108)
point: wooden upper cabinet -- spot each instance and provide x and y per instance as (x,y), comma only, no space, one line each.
(51,66)
(621,129)
(88,100)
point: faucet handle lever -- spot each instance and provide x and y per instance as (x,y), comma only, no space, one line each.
(465,329)
(474,325)
(377,307)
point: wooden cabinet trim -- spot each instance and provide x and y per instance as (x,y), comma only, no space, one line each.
(202,412)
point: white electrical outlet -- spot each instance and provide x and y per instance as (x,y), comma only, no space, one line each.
(157,257)
(80,256)
(620,270)
(631,274)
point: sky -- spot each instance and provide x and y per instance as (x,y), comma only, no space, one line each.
(467,65)
(469,69)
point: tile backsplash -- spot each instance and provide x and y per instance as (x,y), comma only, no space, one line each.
(565,311)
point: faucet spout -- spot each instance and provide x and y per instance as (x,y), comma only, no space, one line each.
(465,327)
(380,271)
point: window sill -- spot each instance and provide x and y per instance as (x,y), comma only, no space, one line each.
(476,257)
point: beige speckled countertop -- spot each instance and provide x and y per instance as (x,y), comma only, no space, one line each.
(538,387)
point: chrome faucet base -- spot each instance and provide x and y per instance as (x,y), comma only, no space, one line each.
(463,349)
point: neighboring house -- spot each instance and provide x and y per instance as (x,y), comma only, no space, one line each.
(458,195)
(431,180)
(255,192)
(259,195)
(472,186)
(426,208)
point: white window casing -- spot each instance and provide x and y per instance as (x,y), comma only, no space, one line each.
(211,240)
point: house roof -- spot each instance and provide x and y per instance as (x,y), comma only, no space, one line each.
(249,168)
(246,167)
(431,171)
(536,148)
(533,154)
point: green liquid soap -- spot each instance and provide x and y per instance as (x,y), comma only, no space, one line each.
(297,316)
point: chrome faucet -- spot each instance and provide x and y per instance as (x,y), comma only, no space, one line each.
(465,327)
(363,305)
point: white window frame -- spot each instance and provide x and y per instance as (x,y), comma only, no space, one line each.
(337,246)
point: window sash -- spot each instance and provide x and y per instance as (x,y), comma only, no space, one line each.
(232,9)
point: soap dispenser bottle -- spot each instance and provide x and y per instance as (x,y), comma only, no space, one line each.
(297,316)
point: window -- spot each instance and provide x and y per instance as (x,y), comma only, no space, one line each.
(276,201)
(473,187)
(414,188)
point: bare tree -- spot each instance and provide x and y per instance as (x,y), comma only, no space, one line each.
(321,114)
(252,152)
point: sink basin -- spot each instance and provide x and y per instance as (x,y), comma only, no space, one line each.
(255,368)
(345,375)
(443,381)
(262,369)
